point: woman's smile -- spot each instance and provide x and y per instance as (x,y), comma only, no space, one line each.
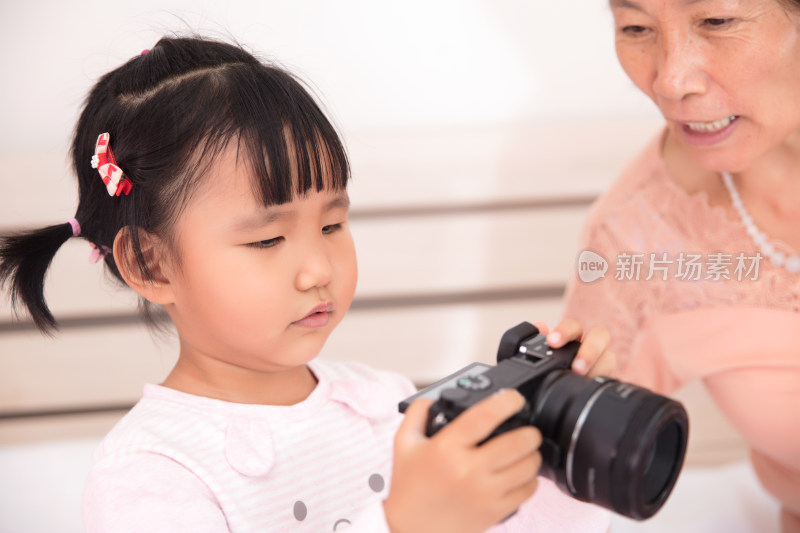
(701,133)
(723,74)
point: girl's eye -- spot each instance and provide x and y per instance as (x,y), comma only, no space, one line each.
(268,243)
(331,228)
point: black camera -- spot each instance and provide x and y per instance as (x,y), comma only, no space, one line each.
(604,441)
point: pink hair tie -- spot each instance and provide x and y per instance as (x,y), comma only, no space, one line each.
(76,227)
(98,252)
(145,51)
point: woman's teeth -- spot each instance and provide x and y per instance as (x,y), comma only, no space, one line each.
(710,127)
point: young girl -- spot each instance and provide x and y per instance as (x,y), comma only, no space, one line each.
(214,186)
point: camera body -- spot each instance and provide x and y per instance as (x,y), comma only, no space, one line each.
(603,441)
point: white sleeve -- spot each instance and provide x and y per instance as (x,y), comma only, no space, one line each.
(148,493)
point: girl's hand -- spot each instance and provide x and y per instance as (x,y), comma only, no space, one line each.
(594,358)
(447,483)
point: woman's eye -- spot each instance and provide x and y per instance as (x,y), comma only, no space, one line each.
(331,228)
(714,22)
(634,30)
(267,243)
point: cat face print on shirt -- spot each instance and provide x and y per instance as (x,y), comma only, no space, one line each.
(301,510)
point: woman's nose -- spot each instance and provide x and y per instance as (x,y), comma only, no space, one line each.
(680,69)
(315,269)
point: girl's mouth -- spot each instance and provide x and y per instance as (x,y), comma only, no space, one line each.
(317,318)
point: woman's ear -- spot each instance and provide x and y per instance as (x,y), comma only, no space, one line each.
(154,283)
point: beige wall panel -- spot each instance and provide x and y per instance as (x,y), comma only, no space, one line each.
(37,189)
(82,367)
(489,163)
(397,256)
(511,248)
(467,164)
(100,367)
(424,343)
(428,343)
(44,429)
(76,287)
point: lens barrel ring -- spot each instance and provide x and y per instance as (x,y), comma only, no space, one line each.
(646,492)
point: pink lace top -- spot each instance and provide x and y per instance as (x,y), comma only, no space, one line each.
(706,312)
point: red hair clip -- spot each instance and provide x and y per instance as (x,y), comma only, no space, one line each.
(103,160)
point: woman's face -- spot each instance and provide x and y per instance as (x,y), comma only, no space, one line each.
(724,73)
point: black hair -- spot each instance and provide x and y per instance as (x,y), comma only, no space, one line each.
(169,112)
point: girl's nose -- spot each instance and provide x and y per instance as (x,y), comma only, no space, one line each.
(315,270)
(680,68)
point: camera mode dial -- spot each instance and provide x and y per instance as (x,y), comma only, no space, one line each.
(476,383)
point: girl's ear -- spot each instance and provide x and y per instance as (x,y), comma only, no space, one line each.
(156,287)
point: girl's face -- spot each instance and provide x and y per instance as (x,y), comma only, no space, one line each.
(724,73)
(258,290)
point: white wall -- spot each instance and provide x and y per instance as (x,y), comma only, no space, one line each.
(443,103)
(377,64)
(440,101)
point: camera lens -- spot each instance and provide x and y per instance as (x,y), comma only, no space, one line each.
(661,460)
(610,443)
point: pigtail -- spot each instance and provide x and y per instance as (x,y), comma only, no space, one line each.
(168,114)
(24,260)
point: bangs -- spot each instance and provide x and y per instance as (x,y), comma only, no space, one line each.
(282,136)
(169,136)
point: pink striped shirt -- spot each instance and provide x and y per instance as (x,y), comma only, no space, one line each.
(178,462)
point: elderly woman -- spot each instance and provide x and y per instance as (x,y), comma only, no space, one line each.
(701,232)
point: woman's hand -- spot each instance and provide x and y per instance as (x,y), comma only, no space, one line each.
(447,483)
(594,358)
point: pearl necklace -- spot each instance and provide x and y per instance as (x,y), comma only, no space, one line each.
(779,259)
